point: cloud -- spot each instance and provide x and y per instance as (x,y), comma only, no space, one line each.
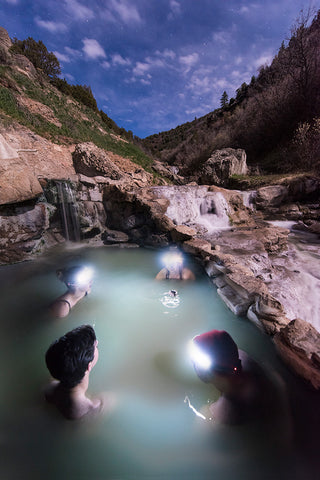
(71,52)
(78,11)
(123,11)
(150,63)
(117,59)
(175,9)
(188,61)
(69,77)
(92,48)
(264,59)
(221,37)
(200,84)
(166,53)
(13,2)
(141,68)
(69,55)
(52,27)
(62,57)
(106,65)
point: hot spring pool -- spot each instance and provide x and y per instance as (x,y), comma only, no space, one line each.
(150,431)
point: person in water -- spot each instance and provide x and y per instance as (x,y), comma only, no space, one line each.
(173,267)
(247,392)
(70,360)
(78,281)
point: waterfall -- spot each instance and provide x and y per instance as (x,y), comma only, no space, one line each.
(248,198)
(68,210)
(195,205)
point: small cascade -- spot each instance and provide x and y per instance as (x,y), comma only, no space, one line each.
(68,210)
(248,198)
(195,205)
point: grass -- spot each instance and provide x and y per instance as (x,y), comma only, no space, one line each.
(72,116)
(252,182)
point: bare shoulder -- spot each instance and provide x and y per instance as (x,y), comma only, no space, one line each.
(162,274)
(60,308)
(187,274)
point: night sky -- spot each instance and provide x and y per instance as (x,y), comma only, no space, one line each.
(155,64)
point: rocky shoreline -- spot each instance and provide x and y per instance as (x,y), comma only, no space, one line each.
(250,262)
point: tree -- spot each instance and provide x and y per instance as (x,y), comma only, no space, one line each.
(224,100)
(38,54)
(242,92)
(300,61)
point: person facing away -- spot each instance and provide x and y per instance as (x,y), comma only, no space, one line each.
(173,267)
(78,281)
(247,392)
(70,360)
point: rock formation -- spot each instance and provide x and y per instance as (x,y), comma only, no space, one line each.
(221,165)
(299,346)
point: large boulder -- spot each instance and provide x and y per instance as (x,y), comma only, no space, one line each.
(21,229)
(298,344)
(90,160)
(271,196)
(24,159)
(222,165)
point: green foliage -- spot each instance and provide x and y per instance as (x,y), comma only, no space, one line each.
(81,93)
(79,123)
(109,122)
(8,103)
(252,182)
(38,54)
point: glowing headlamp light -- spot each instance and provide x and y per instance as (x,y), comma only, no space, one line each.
(171,260)
(199,357)
(84,276)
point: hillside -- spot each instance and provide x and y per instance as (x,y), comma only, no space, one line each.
(28,98)
(275,118)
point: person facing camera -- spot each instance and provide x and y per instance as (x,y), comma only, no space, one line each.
(173,267)
(78,281)
(70,360)
(247,392)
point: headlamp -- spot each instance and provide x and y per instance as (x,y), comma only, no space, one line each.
(83,277)
(200,358)
(171,260)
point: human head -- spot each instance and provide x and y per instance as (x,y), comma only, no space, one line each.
(76,277)
(173,259)
(69,357)
(219,353)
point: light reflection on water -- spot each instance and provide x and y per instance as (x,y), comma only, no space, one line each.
(143,370)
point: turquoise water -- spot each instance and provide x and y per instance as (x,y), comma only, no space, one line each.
(148,430)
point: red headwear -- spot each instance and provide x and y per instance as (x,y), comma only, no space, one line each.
(219,345)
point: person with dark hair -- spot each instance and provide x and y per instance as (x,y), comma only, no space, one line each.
(78,281)
(70,360)
(247,392)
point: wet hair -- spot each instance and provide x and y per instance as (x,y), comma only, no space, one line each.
(67,358)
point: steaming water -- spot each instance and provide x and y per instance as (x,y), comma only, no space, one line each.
(152,430)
